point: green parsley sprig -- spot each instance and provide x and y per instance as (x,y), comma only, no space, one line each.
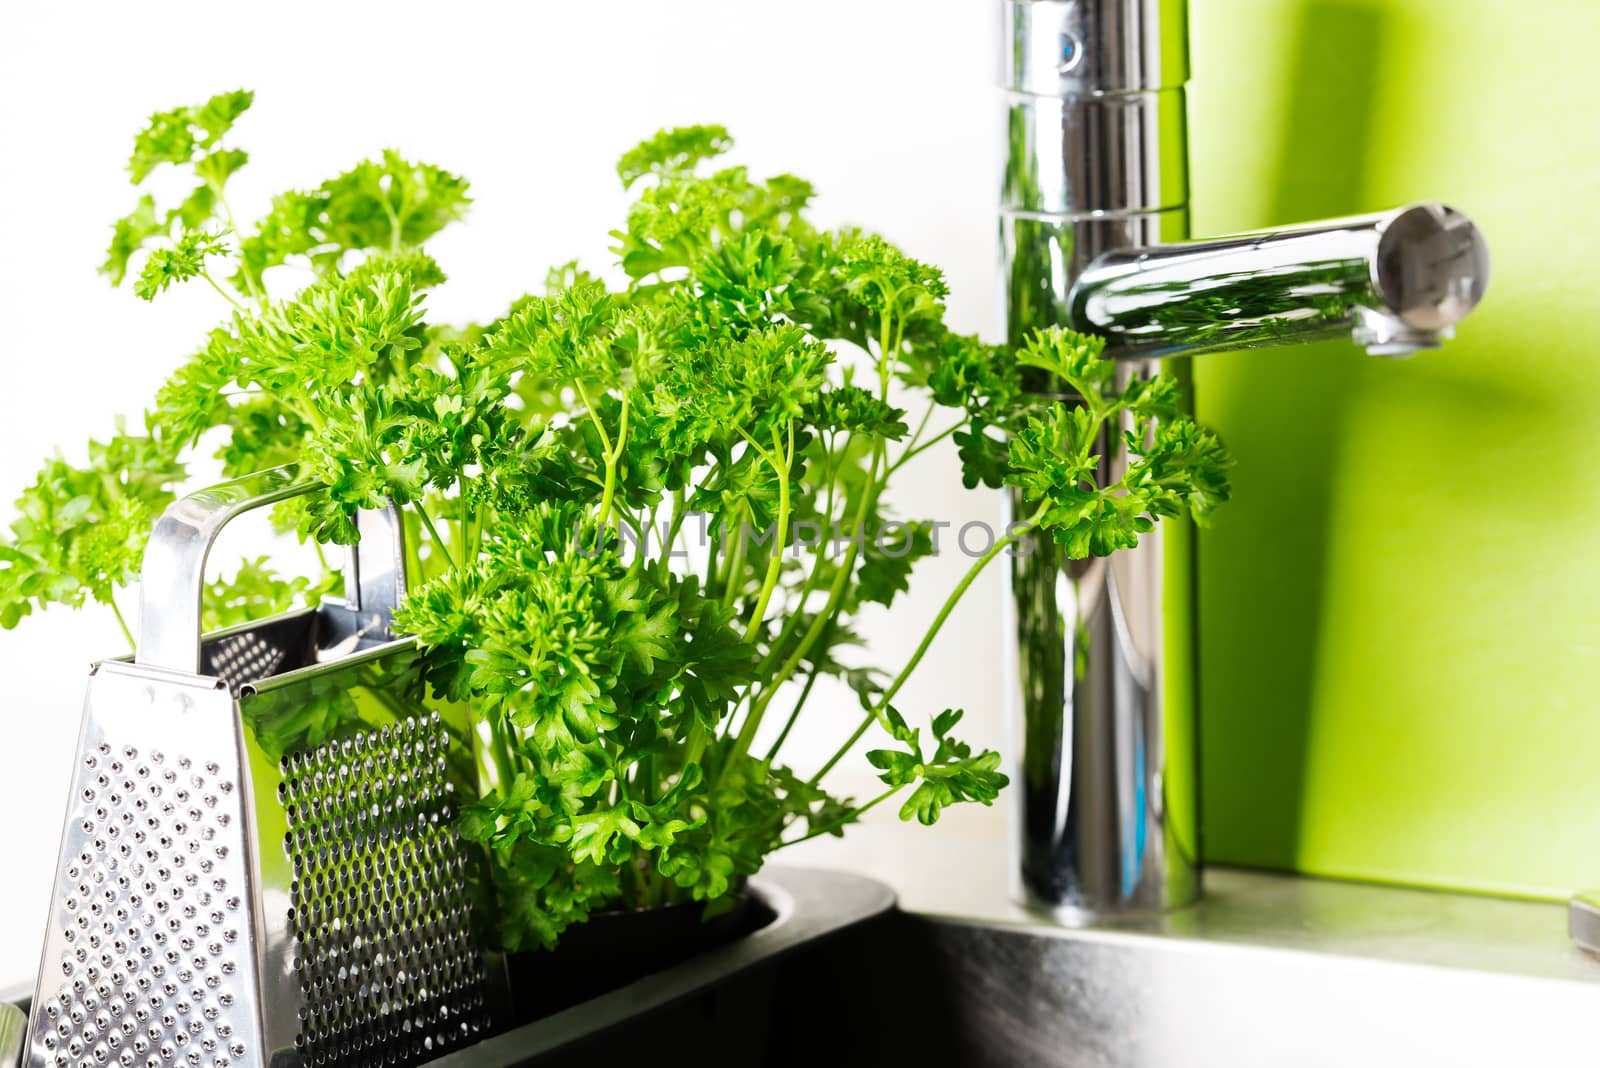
(547,463)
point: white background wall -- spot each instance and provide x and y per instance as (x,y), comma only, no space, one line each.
(885,104)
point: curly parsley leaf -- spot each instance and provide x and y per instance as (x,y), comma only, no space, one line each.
(673,152)
(950,775)
(176,136)
(81,530)
(390,205)
(129,235)
(183,261)
(1056,456)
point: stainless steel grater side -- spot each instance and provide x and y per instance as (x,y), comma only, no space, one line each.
(258,867)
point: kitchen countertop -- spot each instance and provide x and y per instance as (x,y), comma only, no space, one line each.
(960,870)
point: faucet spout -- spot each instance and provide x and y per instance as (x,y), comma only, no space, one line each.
(1395,282)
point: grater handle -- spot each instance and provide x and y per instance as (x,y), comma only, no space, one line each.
(173,573)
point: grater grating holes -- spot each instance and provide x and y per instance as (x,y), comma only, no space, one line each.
(151,922)
(240,658)
(385,959)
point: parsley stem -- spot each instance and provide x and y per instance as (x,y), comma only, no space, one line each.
(756,445)
(603,515)
(838,755)
(594,417)
(678,516)
(250,281)
(924,447)
(223,293)
(613,458)
(841,579)
(849,817)
(797,613)
(921,426)
(779,540)
(695,747)
(752,720)
(730,581)
(878,710)
(622,429)
(883,359)
(611,453)
(950,603)
(796,617)
(500,753)
(427,522)
(471,525)
(794,713)
(888,342)
(713,553)
(123,623)
(394,225)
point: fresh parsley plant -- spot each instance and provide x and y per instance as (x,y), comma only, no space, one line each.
(617,694)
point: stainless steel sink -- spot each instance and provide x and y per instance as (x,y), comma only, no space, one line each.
(1268,970)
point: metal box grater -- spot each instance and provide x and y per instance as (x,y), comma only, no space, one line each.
(259,867)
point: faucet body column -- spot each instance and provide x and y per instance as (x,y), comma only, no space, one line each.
(1093,215)
(1096,161)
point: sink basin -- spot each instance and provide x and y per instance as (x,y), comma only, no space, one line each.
(1267,969)
(1322,974)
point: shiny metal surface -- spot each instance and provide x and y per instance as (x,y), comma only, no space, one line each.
(1396,282)
(1096,160)
(1095,109)
(1093,222)
(259,864)
(1583,921)
(1107,817)
(173,575)
(1053,171)
(174,567)
(1075,47)
(366,928)
(151,951)
(375,582)
(1266,969)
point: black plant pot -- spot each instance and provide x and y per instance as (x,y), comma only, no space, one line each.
(616,948)
(743,991)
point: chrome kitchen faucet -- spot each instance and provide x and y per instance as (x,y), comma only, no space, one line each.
(1093,219)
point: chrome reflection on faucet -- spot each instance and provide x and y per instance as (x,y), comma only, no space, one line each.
(1094,213)
(1395,283)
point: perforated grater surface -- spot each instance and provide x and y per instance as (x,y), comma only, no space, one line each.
(258,866)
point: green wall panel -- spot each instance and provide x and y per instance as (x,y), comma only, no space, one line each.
(1400,612)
